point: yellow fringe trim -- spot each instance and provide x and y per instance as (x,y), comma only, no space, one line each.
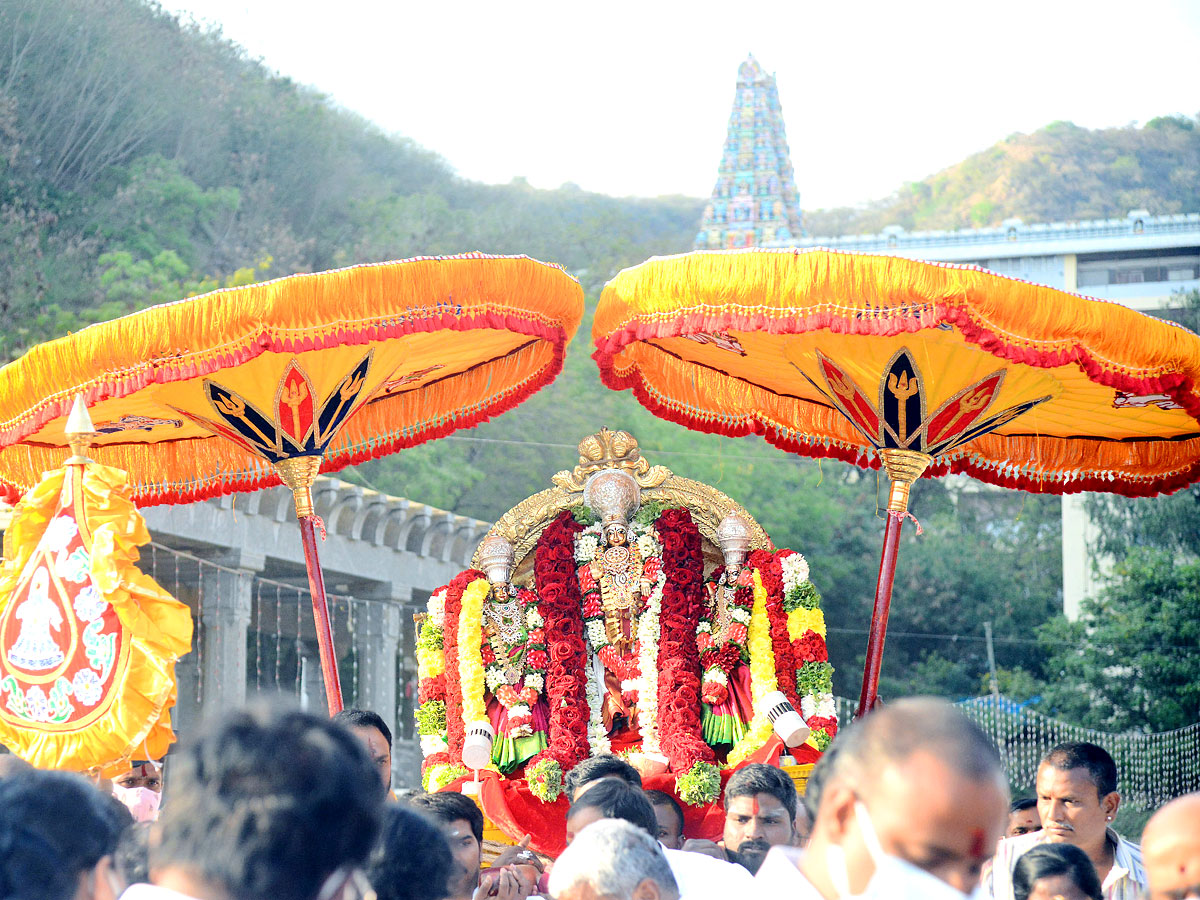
(827,293)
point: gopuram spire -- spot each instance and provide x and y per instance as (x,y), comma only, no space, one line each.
(755,200)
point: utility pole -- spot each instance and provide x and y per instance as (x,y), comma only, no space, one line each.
(991,651)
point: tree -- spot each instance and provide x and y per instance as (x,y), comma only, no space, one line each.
(1130,661)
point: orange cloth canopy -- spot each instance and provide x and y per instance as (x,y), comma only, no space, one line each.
(838,354)
(204,396)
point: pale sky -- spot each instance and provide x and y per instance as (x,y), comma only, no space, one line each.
(632,98)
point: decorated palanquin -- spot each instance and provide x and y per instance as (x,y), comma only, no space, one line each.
(88,643)
(625,610)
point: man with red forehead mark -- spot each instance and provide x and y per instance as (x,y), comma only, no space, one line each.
(912,804)
(140,789)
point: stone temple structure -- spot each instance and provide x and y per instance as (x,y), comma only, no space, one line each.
(755,201)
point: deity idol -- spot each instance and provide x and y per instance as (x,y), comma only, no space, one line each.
(515,660)
(727,706)
(616,584)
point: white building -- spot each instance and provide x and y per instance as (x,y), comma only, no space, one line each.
(1141,261)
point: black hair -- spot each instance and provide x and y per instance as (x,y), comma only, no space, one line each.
(603,766)
(412,860)
(1081,755)
(1023,804)
(662,798)
(759,778)
(364,718)
(54,826)
(811,798)
(267,804)
(450,806)
(618,800)
(1048,860)
(131,858)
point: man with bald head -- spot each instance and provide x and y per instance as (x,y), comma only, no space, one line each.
(911,806)
(1171,850)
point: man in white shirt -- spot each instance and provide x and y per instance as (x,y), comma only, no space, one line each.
(615,860)
(908,808)
(698,877)
(1077,800)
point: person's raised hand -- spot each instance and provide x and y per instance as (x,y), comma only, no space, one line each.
(519,855)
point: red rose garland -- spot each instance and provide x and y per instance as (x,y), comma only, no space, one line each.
(566,676)
(771,573)
(455,730)
(680,734)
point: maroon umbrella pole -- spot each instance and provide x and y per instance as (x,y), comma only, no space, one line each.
(903,468)
(298,474)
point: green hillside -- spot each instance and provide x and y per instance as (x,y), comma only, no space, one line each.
(1059,173)
(142,160)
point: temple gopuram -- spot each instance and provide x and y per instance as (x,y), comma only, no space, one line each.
(624,610)
(755,201)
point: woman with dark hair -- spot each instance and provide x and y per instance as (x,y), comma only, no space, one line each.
(1055,871)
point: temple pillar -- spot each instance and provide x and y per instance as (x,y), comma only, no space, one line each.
(377,641)
(226,606)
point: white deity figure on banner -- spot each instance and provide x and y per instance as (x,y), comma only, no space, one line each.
(35,648)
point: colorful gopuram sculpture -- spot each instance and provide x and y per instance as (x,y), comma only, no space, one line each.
(755,200)
(624,610)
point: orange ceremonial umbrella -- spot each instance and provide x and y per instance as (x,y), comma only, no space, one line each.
(923,368)
(252,386)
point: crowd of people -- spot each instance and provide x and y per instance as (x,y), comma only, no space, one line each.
(911,801)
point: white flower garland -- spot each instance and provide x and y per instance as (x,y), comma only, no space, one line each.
(795,571)
(597,734)
(648,634)
(437,608)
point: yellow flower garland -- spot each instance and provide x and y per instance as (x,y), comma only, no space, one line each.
(762,675)
(470,656)
(430,662)
(801,620)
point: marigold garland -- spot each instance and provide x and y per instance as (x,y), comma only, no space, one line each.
(470,660)
(762,676)
(680,733)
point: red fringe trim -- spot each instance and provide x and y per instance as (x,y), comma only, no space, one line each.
(147,495)
(1177,386)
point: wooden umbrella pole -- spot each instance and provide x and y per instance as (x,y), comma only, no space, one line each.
(903,468)
(298,474)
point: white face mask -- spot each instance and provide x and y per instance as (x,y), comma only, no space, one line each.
(141,801)
(894,878)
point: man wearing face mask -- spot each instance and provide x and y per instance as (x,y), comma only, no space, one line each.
(911,806)
(140,789)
